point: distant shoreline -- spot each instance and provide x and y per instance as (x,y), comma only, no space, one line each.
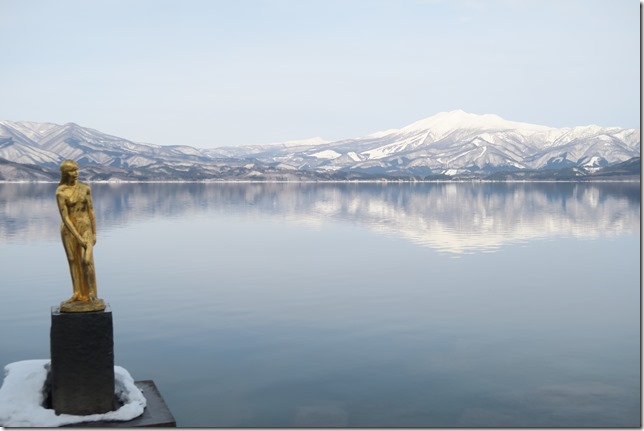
(382,181)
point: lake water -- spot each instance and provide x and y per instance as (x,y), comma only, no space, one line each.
(352,305)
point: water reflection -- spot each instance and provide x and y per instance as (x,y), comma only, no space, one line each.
(246,317)
(450,217)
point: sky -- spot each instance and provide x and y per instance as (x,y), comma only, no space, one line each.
(211,73)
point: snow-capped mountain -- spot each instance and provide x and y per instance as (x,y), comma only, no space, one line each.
(448,144)
(458,142)
(48,144)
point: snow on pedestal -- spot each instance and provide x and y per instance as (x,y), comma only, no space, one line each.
(22,395)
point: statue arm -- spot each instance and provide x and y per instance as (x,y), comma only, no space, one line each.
(60,200)
(90,213)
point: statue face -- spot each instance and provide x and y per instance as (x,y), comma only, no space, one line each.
(69,170)
(73,173)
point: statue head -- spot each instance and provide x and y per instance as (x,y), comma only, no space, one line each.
(66,167)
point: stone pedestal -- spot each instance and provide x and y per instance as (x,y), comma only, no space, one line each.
(82,362)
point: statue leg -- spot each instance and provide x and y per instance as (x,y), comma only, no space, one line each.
(89,272)
(73,252)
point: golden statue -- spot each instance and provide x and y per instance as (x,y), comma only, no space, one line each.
(78,231)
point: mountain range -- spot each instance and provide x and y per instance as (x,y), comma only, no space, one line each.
(449,145)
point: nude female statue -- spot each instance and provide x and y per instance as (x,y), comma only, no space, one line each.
(78,232)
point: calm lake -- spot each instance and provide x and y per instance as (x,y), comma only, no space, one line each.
(351,305)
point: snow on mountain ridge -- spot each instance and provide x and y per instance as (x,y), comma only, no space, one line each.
(48,144)
(446,143)
(445,122)
(310,141)
(457,141)
(30,129)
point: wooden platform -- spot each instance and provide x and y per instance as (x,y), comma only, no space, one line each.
(156,413)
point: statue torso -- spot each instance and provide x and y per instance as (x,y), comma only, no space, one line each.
(76,200)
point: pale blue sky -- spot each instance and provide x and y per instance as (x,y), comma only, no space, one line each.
(210,73)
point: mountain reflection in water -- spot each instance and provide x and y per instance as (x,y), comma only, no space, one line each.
(449,217)
(320,305)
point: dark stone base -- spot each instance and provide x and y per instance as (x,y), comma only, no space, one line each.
(82,362)
(156,413)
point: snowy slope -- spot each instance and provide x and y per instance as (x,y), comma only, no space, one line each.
(450,143)
(49,144)
(458,141)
